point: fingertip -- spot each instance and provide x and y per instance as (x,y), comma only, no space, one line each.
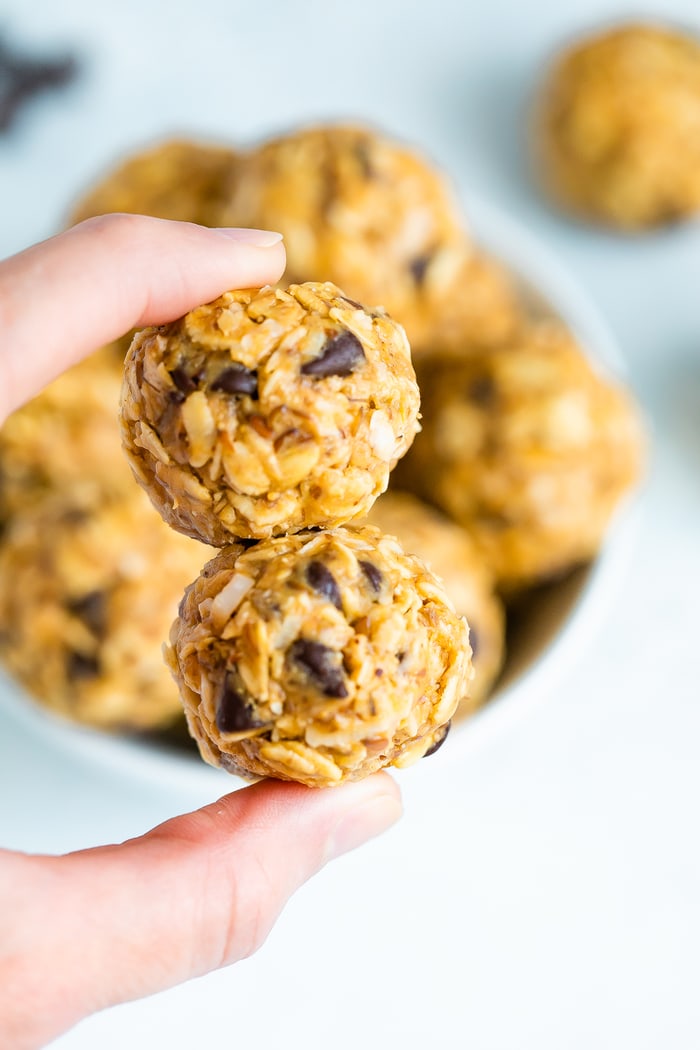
(370,808)
(256,238)
(324,822)
(258,248)
(111,273)
(179,265)
(330,821)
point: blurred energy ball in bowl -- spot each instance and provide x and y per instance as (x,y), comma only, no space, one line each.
(527,447)
(451,553)
(377,218)
(616,127)
(174,179)
(471,293)
(87,593)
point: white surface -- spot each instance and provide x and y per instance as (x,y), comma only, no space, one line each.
(544,894)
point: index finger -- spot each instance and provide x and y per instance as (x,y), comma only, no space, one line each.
(83,288)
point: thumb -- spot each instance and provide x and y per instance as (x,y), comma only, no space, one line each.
(203,890)
(85,287)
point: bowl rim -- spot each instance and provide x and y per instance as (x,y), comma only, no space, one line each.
(528,258)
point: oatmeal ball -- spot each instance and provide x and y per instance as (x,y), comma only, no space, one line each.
(87,594)
(319,657)
(268,411)
(355,208)
(617,129)
(65,440)
(528,448)
(449,551)
(188,181)
(471,305)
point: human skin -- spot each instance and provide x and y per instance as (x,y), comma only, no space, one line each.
(102,926)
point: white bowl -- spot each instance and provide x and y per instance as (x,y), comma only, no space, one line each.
(560,620)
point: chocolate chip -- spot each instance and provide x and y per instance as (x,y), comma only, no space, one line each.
(321,665)
(237,379)
(80,667)
(74,516)
(341,356)
(21,78)
(372,574)
(322,580)
(419,267)
(482,391)
(91,608)
(438,743)
(474,640)
(184,382)
(362,152)
(235,710)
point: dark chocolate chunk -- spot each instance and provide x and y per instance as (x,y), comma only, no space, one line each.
(363,152)
(74,516)
(80,666)
(237,379)
(482,391)
(235,710)
(321,665)
(21,78)
(419,267)
(372,574)
(91,608)
(341,355)
(438,743)
(184,382)
(474,640)
(322,580)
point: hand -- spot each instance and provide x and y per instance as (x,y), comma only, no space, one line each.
(102,926)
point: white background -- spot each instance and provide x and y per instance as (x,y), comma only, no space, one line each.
(543,889)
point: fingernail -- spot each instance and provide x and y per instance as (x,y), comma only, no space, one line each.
(255,238)
(362,823)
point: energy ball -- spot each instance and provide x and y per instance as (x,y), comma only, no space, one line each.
(268,411)
(528,448)
(87,593)
(471,304)
(188,181)
(319,657)
(449,551)
(355,208)
(65,441)
(617,127)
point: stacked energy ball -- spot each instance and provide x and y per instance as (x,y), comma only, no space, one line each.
(314,646)
(318,653)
